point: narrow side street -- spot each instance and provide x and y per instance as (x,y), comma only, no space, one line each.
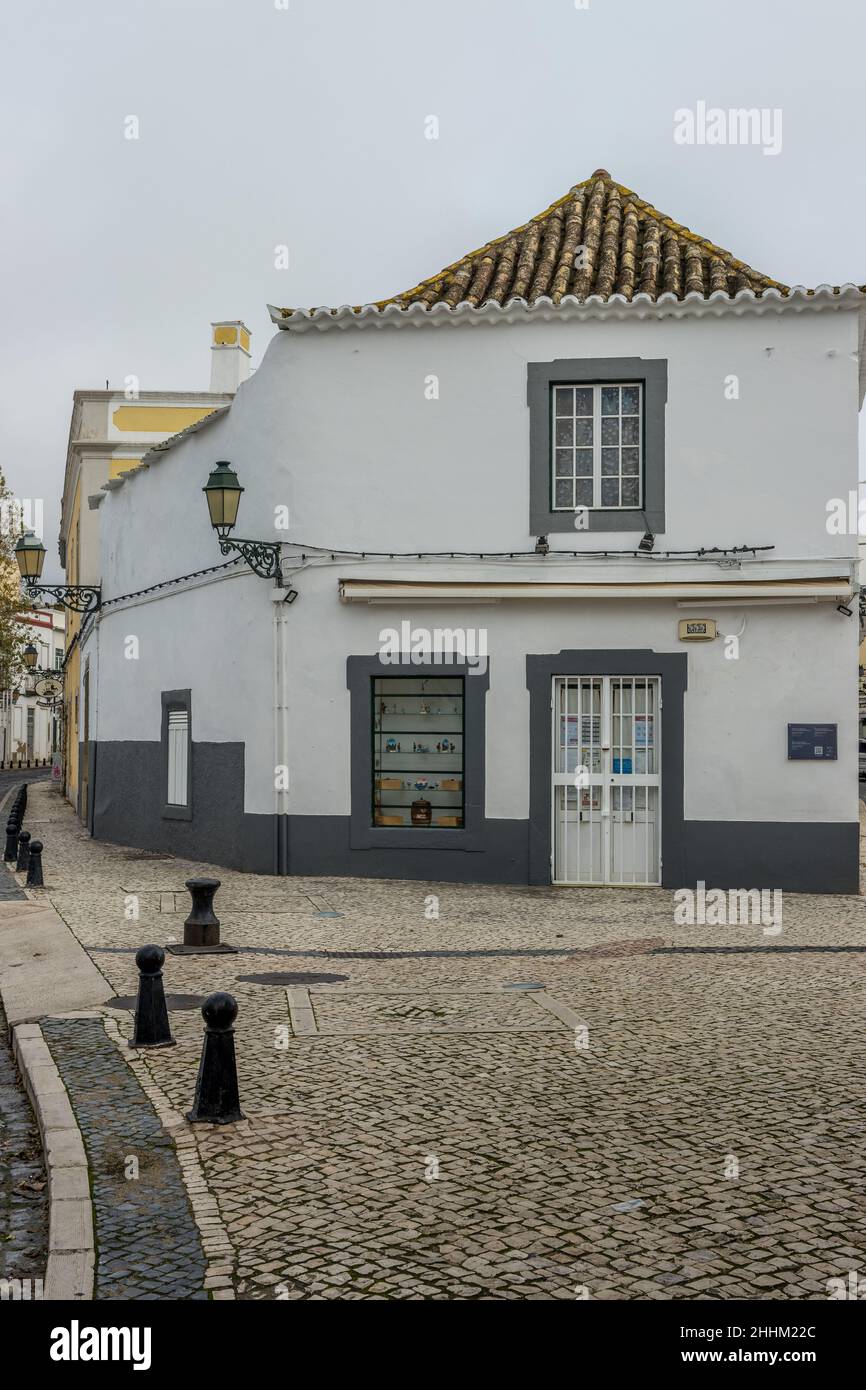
(539,1094)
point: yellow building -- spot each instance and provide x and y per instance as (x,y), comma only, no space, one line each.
(109,433)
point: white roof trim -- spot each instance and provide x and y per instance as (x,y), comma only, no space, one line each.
(156,449)
(694,305)
(153,453)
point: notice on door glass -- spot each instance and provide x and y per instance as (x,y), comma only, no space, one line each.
(643,731)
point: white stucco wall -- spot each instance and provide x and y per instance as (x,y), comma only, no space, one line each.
(336,426)
(368,462)
(736,711)
(215,640)
(795,664)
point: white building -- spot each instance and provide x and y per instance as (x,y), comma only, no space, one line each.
(109,432)
(30,720)
(486,453)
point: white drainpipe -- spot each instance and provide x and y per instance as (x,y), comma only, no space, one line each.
(281,726)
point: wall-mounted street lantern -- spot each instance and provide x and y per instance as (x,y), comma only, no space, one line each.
(223,493)
(30,557)
(41,678)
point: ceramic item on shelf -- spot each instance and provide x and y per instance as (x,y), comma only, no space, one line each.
(422,812)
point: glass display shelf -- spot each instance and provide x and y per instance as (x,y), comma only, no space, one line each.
(418,752)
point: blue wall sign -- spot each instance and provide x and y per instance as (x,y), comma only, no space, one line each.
(812,742)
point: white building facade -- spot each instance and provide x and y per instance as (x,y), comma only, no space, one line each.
(613,497)
(31,722)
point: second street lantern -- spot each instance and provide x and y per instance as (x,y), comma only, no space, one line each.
(29,555)
(223,493)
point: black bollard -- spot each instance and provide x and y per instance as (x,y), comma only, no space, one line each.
(201,930)
(12,828)
(151,1027)
(34,865)
(23,852)
(216,1098)
(202,926)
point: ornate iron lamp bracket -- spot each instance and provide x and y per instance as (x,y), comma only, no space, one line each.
(263,557)
(81,598)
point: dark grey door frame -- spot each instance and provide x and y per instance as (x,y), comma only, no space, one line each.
(672,667)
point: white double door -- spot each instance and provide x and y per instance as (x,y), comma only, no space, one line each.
(606,804)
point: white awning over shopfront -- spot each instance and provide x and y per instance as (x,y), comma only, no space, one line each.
(757,591)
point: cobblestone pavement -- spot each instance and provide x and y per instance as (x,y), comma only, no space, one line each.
(12,778)
(23,1188)
(147,1243)
(634,1122)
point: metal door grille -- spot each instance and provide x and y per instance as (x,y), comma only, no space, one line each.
(606,802)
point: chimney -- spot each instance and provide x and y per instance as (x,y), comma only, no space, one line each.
(230,355)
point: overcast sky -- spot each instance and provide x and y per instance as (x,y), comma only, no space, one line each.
(305,126)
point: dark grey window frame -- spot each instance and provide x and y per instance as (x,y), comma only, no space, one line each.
(176,699)
(577,371)
(672,667)
(360,671)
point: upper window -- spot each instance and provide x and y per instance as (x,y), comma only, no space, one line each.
(597,442)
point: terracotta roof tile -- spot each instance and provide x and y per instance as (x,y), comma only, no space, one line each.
(600,240)
(628,247)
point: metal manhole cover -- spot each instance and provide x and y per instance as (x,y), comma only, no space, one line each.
(293,977)
(174,1002)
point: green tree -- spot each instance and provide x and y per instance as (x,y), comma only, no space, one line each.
(12,602)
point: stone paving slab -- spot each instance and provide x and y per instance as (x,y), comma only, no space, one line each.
(697,1133)
(42,966)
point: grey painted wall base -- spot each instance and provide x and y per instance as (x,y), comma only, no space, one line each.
(322,845)
(127,793)
(796,856)
(128,800)
(792,856)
